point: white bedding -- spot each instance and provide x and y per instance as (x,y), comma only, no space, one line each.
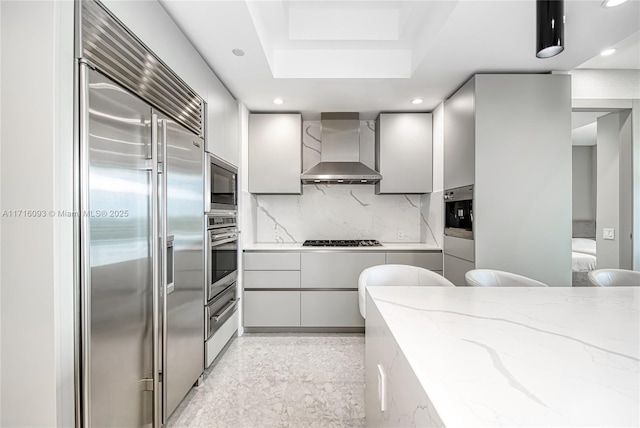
(581,262)
(583,245)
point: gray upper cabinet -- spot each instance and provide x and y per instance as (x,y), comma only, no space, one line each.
(222,133)
(275,153)
(459,131)
(231,129)
(214,124)
(404,153)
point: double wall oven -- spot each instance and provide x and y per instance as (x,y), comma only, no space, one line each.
(222,244)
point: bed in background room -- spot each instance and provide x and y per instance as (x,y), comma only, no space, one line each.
(583,251)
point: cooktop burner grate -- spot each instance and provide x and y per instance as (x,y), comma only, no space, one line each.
(341,243)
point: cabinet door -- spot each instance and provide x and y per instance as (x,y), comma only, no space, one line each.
(271,261)
(232,131)
(330,309)
(455,268)
(431,261)
(275,153)
(271,279)
(459,137)
(271,308)
(215,119)
(404,154)
(336,270)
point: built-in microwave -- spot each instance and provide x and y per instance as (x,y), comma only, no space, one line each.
(458,212)
(221,184)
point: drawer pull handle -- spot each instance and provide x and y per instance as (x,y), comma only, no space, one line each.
(232,304)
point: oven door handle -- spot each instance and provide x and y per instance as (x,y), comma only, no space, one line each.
(218,242)
(232,305)
(218,236)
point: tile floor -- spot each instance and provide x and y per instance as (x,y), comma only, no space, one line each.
(281,380)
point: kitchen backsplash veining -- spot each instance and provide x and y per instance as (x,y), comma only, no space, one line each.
(338,212)
(341,211)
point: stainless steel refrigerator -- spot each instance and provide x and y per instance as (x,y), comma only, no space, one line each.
(140,187)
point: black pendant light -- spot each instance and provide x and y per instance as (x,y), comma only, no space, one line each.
(549,28)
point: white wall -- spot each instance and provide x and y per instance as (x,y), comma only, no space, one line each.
(522,188)
(584,190)
(608,210)
(37,264)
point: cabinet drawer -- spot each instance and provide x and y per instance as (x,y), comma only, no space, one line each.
(336,270)
(271,308)
(330,309)
(461,248)
(431,261)
(272,279)
(455,268)
(272,261)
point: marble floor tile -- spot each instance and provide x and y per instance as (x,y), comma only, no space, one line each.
(281,380)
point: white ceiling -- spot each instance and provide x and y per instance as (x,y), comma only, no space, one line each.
(372,56)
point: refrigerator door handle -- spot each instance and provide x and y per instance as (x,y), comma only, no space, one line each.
(84,358)
(165,254)
(170,265)
(155,269)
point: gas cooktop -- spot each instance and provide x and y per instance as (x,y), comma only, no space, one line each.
(341,243)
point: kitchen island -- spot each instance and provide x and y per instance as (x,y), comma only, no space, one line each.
(476,356)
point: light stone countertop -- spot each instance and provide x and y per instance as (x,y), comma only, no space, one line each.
(297,246)
(512,356)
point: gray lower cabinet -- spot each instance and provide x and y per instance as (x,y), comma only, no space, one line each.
(271,279)
(271,261)
(330,309)
(314,289)
(455,268)
(427,260)
(271,308)
(336,269)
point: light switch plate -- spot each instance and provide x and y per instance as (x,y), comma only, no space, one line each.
(608,233)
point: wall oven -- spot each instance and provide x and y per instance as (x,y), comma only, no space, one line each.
(221,184)
(458,212)
(222,252)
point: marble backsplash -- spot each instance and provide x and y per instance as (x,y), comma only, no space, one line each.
(338,212)
(343,211)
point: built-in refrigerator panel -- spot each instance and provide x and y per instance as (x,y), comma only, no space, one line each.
(185,300)
(120,245)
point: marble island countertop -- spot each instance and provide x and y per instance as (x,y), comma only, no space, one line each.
(540,357)
(297,246)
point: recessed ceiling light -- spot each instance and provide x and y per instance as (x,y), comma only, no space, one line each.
(278,101)
(608,52)
(238,52)
(417,101)
(612,3)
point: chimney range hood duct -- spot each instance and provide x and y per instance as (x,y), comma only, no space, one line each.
(340,157)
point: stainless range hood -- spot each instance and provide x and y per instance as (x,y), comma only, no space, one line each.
(340,157)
